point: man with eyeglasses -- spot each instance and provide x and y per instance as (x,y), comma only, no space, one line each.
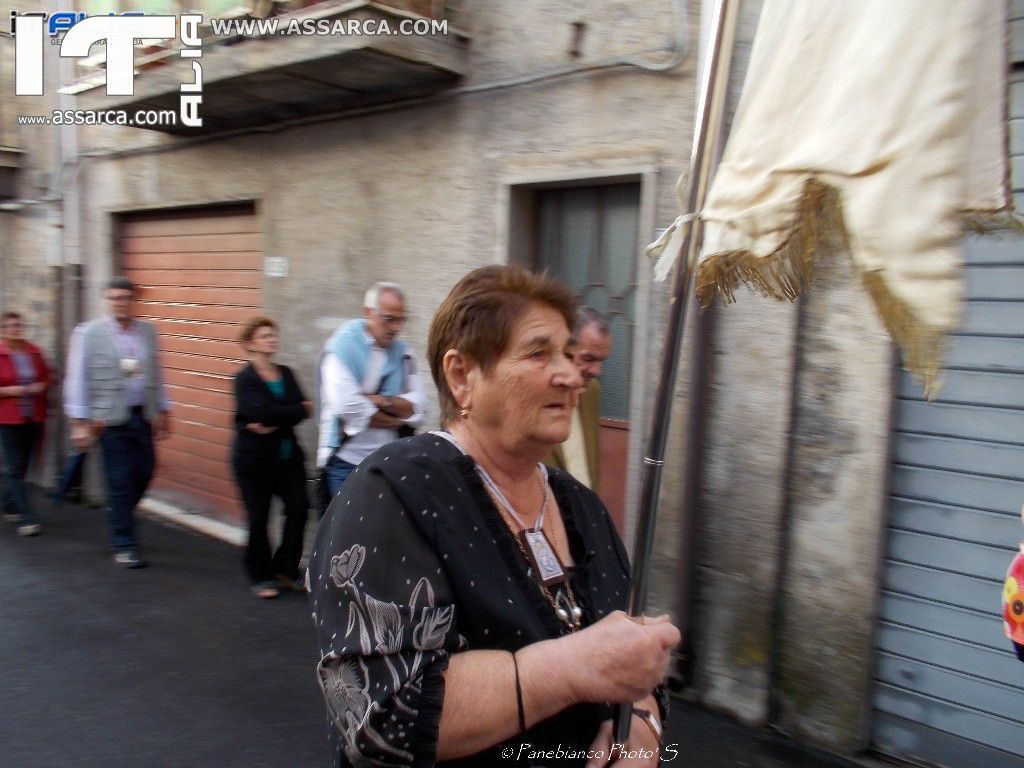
(369,390)
(590,346)
(114,394)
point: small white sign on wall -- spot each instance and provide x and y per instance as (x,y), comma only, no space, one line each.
(275,266)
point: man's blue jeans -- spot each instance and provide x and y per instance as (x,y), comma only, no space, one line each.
(337,473)
(128,461)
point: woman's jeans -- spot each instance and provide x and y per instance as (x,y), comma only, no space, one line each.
(18,442)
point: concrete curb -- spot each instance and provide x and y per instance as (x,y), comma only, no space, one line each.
(216,529)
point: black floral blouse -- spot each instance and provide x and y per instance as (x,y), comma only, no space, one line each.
(414,563)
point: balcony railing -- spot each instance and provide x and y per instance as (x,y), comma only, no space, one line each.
(10,162)
(268,61)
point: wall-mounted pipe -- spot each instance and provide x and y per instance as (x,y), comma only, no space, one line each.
(677,54)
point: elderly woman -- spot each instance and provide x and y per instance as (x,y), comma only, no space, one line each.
(466,598)
(268,460)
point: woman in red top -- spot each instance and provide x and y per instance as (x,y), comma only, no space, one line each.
(24,378)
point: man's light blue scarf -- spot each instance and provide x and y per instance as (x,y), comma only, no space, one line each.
(349,343)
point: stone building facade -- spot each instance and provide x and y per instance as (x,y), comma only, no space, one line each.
(532,132)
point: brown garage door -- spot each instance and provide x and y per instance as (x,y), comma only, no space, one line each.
(200,277)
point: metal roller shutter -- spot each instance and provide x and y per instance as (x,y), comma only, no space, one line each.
(200,278)
(948,688)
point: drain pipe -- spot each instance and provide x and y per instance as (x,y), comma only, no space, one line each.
(698,406)
(64,189)
(699,400)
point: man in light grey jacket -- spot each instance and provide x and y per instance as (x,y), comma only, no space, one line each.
(114,393)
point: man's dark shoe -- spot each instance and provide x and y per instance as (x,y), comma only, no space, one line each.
(129,558)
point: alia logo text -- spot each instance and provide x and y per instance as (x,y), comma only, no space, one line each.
(119,33)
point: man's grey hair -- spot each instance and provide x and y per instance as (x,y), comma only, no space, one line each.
(372,298)
(586,317)
(121,283)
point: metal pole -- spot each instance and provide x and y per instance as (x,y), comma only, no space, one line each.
(710,107)
(66,189)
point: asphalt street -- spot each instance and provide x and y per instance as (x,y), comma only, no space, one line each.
(172,665)
(177,665)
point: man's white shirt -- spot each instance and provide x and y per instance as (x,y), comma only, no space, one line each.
(342,396)
(574,450)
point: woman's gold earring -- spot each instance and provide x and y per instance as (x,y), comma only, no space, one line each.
(464,413)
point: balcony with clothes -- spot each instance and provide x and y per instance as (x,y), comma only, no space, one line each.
(268,61)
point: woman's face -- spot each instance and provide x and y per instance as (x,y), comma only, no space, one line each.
(263,341)
(13,328)
(528,397)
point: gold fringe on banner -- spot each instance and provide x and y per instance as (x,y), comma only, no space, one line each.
(820,227)
(785,273)
(985,222)
(923,345)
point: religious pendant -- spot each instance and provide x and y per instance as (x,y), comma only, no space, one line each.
(545,561)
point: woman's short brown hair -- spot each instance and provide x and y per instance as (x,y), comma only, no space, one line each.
(478,316)
(252,325)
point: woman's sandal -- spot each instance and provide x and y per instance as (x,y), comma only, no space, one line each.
(297,584)
(265,590)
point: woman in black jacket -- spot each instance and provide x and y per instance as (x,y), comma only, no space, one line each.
(268,460)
